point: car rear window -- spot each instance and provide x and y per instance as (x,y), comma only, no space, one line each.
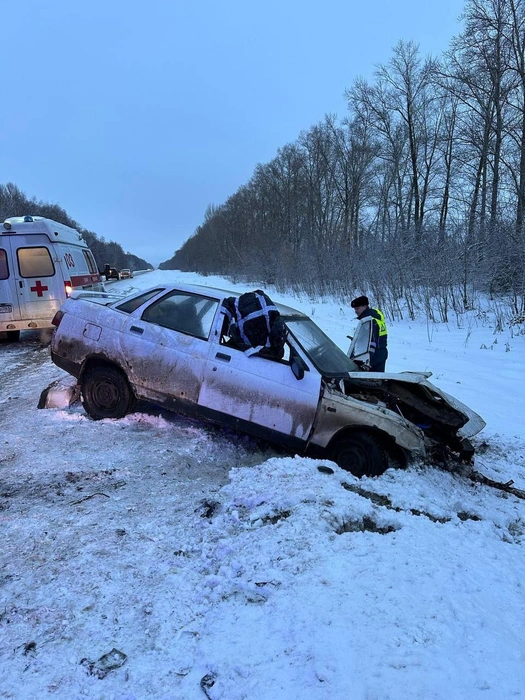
(130,305)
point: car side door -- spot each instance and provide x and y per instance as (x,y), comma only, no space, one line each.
(360,346)
(259,394)
(165,346)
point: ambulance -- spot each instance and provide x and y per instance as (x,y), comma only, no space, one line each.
(41,262)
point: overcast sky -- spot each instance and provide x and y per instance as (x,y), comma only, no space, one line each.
(134,116)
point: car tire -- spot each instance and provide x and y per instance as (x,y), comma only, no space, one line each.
(106,393)
(360,454)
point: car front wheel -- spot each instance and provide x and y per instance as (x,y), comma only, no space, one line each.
(361,455)
(106,393)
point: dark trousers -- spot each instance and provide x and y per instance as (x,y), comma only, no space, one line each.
(379,360)
(380,367)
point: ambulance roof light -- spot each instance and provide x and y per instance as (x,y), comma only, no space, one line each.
(27,219)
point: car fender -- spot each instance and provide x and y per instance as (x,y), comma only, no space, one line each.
(339,412)
(80,341)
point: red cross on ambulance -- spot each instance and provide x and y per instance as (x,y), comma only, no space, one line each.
(39,288)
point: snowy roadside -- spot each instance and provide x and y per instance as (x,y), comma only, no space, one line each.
(225,569)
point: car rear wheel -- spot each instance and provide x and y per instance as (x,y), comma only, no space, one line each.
(360,454)
(106,393)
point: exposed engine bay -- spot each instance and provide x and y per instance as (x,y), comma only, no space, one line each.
(417,403)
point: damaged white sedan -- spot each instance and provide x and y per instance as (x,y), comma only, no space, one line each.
(170,345)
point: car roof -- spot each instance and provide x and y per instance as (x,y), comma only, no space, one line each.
(217,292)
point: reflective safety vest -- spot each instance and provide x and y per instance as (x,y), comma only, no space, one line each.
(381,322)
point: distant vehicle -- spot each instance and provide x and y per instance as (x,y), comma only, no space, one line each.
(111,273)
(170,345)
(41,262)
(125,274)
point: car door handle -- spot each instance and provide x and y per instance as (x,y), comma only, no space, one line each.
(222,356)
(136,329)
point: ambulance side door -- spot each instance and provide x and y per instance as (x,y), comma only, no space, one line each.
(9,306)
(39,282)
(80,268)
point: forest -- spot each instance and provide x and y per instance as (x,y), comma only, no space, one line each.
(13,202)
(416,196)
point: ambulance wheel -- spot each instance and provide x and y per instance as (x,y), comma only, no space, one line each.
(12,336)
(360,454)
(106,393)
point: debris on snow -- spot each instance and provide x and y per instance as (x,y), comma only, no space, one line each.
(108,662)
(61,393)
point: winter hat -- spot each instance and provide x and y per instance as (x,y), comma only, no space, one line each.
(360,301)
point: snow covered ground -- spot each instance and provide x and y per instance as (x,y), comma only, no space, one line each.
(223,568)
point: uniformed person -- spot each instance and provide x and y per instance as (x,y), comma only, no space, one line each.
(378,342)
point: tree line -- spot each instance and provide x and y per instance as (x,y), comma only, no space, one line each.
(416,196)
(13,202)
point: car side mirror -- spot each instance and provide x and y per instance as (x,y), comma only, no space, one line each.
(298,366)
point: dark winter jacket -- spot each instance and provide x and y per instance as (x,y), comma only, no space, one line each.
(378,343)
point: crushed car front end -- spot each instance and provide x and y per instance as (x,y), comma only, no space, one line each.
(404,413)
(422,420)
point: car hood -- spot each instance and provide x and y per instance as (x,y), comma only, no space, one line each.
(414,391)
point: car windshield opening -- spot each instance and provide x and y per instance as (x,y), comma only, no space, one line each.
(326,356)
